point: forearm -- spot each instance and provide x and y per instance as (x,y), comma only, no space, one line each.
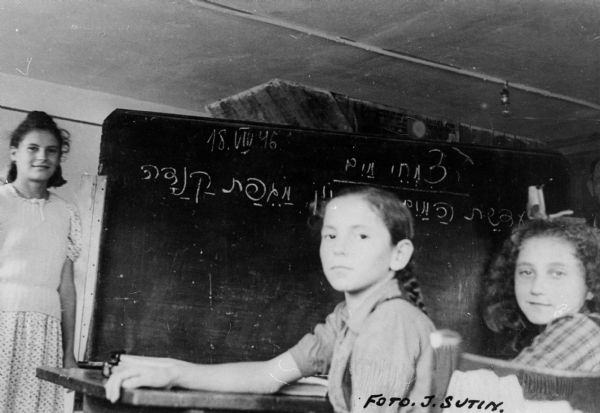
(246,377)
(68,304)
(68,324)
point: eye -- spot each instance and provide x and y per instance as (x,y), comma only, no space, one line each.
(328,236)
(363,236)
(32,148)
(525,273)
(558,273)
(53,150)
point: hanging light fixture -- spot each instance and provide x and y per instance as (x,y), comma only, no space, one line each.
(505,100)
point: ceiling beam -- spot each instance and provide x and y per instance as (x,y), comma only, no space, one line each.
(218,7)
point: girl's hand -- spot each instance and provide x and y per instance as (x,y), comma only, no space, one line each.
(133,372)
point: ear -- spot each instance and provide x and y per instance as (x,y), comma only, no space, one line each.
(401,255)
(13,153)
(589,295)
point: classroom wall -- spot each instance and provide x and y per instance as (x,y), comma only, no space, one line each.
(580,173)
(580,151)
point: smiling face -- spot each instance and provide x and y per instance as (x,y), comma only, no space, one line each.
(549,279)
(36,157)
(356,250)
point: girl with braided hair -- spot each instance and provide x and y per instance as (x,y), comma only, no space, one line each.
(377,341)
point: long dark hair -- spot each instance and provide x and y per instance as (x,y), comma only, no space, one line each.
(38,120)
(501,312)
(399,221)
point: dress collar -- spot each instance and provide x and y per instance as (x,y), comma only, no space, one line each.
(585,312)
(15,192)
(384,292)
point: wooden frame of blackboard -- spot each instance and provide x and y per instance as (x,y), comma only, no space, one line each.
(91,198)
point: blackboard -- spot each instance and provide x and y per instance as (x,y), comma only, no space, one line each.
(206,253)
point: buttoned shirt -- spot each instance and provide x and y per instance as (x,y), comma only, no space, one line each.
(571,342)
(381,348)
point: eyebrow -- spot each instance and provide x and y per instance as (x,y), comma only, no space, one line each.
(358,226)
(38,145)
(554,264)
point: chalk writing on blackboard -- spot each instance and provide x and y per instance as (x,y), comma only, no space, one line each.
(241,139)
(431,172)
(260,192)
(441,211)
(496,217)
(193,185)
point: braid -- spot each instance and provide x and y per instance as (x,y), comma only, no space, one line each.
(411,287)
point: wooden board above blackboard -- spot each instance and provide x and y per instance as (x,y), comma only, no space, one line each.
(206,253)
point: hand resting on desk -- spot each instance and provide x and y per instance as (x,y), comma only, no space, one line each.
(243,377)
(139,371)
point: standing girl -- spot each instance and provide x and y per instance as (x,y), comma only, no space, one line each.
(547,276)
(39,235)
(376,342)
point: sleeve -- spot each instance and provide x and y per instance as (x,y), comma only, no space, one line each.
(314,351)
(570,343)
(74,239)
(392,357)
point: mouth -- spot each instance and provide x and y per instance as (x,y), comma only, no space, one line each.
(536,304)
(339,267)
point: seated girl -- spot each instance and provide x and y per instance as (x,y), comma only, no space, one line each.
(547,276)
(375,342)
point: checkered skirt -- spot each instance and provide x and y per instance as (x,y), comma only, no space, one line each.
(29,340)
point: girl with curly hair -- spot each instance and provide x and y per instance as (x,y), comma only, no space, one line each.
(39,240)
(548,275)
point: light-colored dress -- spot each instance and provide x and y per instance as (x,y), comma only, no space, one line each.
(36,236)
(382,348)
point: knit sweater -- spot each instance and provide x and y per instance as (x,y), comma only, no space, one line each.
(36,236)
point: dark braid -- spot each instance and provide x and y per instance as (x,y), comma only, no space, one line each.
(411,286)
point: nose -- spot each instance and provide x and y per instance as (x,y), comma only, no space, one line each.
(41,154)
(537,285)
(340,245)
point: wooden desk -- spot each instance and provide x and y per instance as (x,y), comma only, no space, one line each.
(91,384)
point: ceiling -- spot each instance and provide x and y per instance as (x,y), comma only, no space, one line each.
(445,59)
